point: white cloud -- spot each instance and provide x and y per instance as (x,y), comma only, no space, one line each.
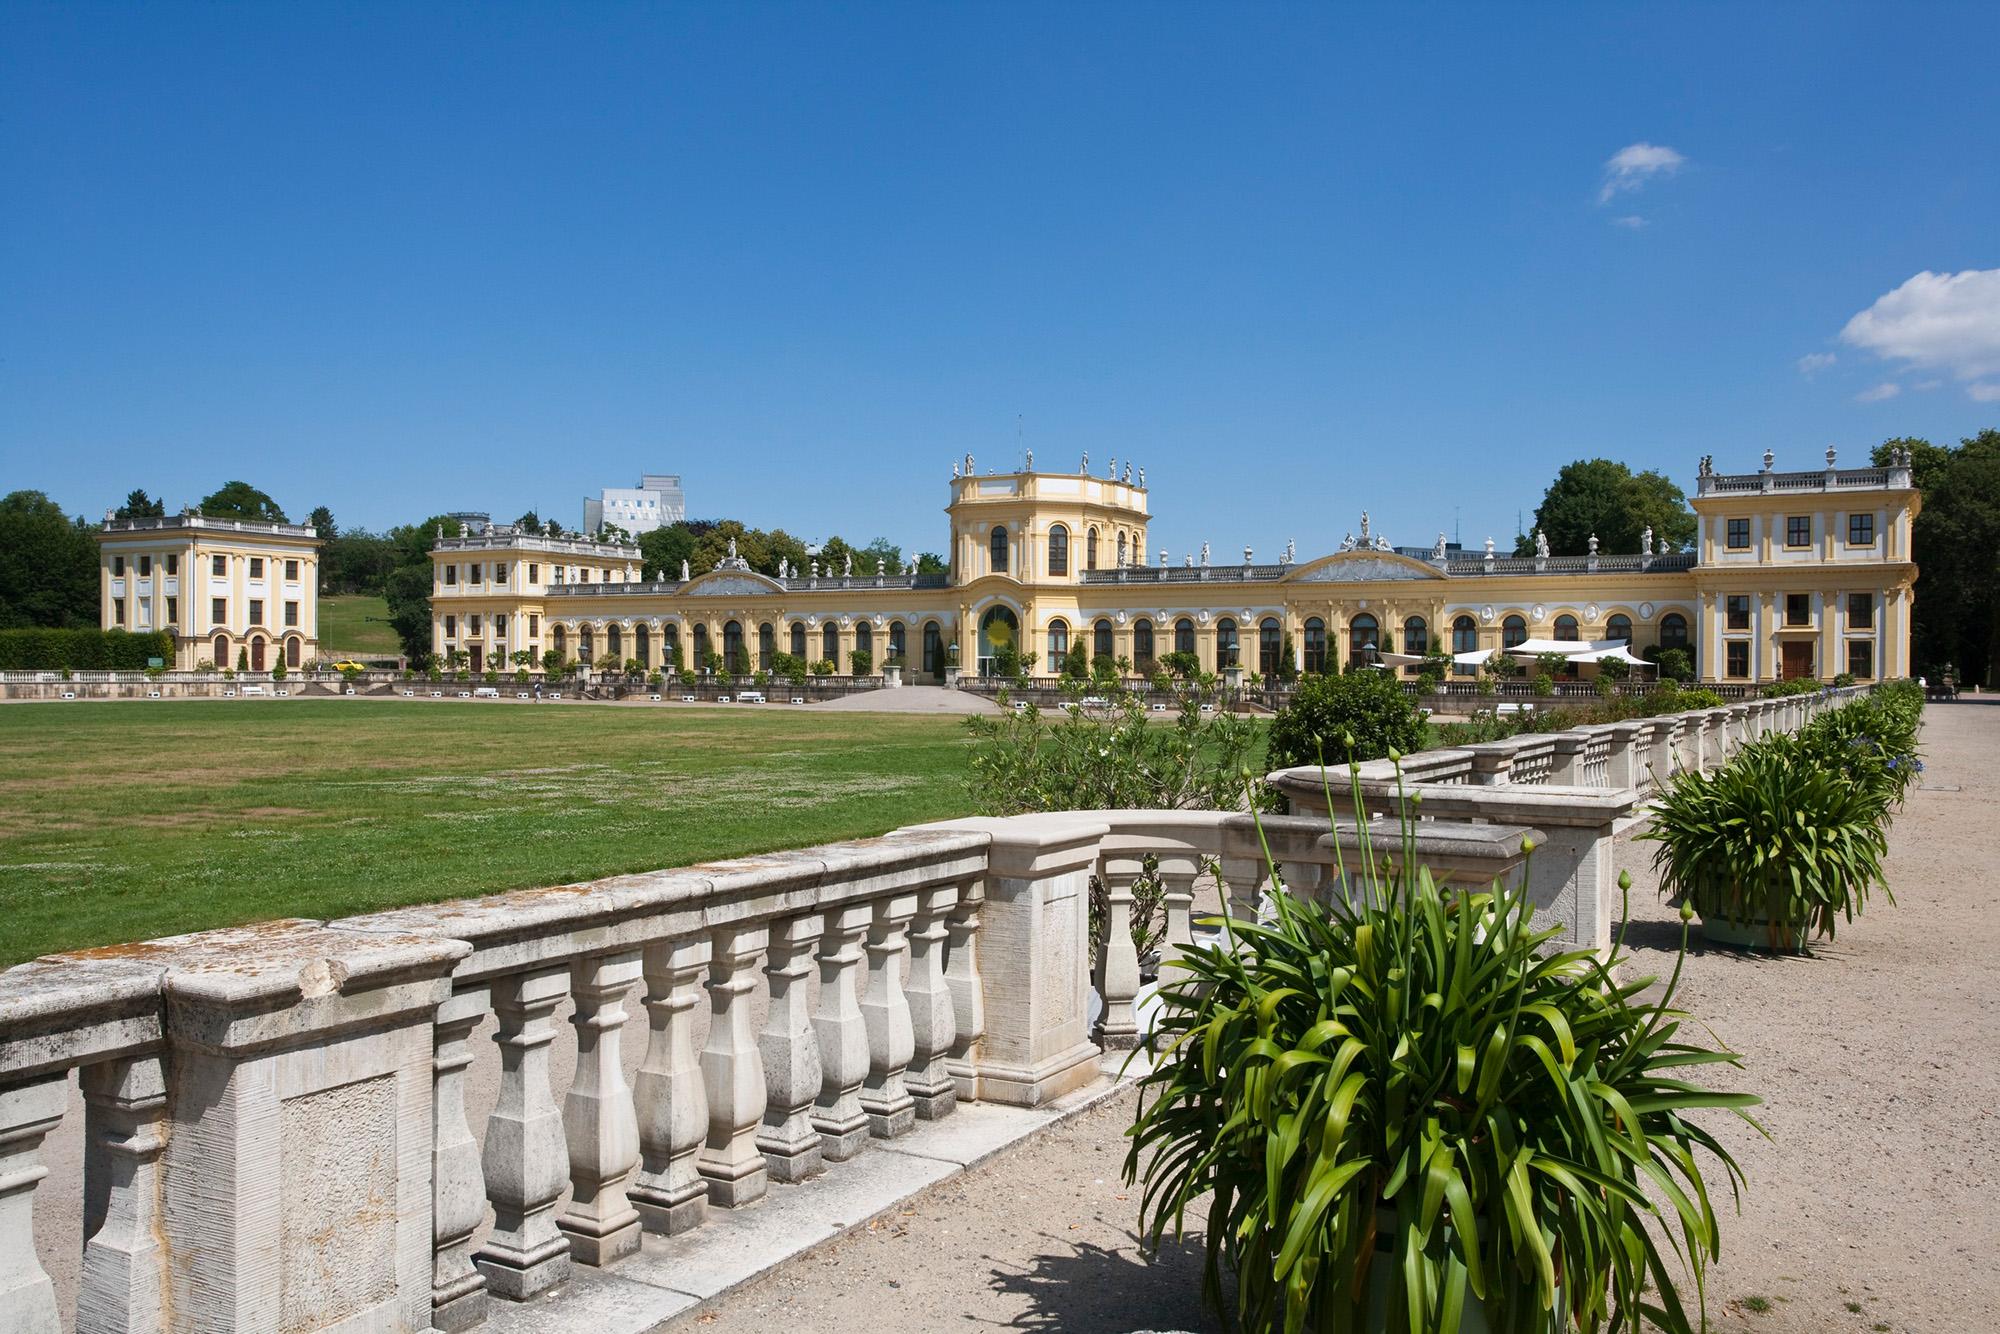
(1983,393)
(1813,363)
(1936,321)
(1925,386)
(1631,220)
(1635,164)
(1887,389)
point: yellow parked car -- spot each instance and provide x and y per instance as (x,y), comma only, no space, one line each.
(346,663)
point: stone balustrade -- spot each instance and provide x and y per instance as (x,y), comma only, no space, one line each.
(276,1121)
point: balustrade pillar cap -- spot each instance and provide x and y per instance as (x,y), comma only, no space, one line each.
(1031,846)
(72,1009)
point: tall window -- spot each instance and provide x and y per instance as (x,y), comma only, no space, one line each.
(451,627)
(145,566)
(996,544)
(700,648)
(291,571)
(1183,635)
(1673,630)
(1102,644)
(1464,635)
(221,646)
(933,649)
(450,576)
(218,612)
(1736,658)
(798,640)
(829,643)
(1226,648)
(1058,550)
(1736,611)
(1861,658)
(1566,628)
(1142,647)
(117,567)
(292,651)
(864,638)
(1315,644)
(767,645)
(614,641)
(897,646)
(256,567)
(1513,632)
(1363,634)
(1416,635)
(586,645)
(732,646)
(292,614)
(642,643)
(1269,642)
(173,566)
(218,566)
(1860,612)
(1798,609)
(173,611)
(670,644)
(1739,535)
(256,611)
(1798,530)
(1058,644)
(1860,532)
(1090,549)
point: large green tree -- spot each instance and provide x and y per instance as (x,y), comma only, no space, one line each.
(48,565)
(1956,543)
(139,505)
(240,500)
(1606,499)
(407,589)
(322,523)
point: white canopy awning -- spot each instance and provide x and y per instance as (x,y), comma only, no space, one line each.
(1569,648)
(1616,653)
(1475,658)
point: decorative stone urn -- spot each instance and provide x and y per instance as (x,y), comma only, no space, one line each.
(892,677)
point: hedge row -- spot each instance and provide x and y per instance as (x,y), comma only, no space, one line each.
(82,650)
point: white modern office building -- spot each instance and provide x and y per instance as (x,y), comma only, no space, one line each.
(654,503)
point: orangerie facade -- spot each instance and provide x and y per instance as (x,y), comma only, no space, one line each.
(1793,574)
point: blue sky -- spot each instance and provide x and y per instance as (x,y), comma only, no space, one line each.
(1297,261)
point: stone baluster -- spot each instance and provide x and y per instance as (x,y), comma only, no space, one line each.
(891,1110)
(524,1158)
(126,1124)
(733,1071)
(598,1115)
(1177,877)
(933,1026)
(843,1036)
(790,1051)
(1117,970)
(670,1195)
(28,1112)
(1624,767)
(458,1190)
(1566,762)
(968,1001)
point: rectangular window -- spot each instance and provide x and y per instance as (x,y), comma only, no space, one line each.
(1861,530)
(173,566)
(256,567)
(1798,609)
(1861,611)
(499,624)
(1739,611)
(451,627)
(1798,530)
(534,626)
(472,624)
(1861,658)
(291,614)
(1737,653)
(583,576)
(145,567)
(1739,534)
(118,611)
(500,572)
(173,611)
(534,572)
(218,566)
(291,571)
(256,611)
(450,575)
(117,567)
(472,574)
(218,611)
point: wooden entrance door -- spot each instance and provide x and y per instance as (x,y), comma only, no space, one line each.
(1798,660)
(257,654)
(478,658)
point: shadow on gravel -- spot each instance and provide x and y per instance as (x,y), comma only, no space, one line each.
(1086,1289)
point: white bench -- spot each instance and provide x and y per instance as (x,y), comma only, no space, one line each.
(486,692)
(750,697)
(253,690)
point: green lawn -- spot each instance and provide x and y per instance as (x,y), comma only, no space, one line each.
(345,627)
(124,821)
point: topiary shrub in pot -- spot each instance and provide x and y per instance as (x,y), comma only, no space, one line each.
(1772,848)
(1402,1116)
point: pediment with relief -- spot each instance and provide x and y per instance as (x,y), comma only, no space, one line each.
(1363,567)
(730,583)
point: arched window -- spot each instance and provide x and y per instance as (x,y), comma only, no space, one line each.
(1142,647)
(1513,630)
(614,644)
(642,645)
(1315,644)
(1673,630)
(996,543)
(586,645)
(829,644)
(1059,550)
(732,647)
(998,631)
(1058,644)
(1121,551)
(933,649)
(864,639)
(897,648)
(1566,628)
(670,645)
(767,646)
(222,651)
(1268,644)
(1090,549)
(1183,635)
(1416,635)
(1364,634)
(1226,647)
(798,639)
(559,640)
(1464,639)
(1102,644)
(292,651)
(701,649)
(1619,627)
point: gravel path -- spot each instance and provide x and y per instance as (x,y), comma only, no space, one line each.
(1871,1207)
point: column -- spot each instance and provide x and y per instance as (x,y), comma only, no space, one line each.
(598,1116)
(126,1125)
(672,1102)
(933,1023)
(891,1042)
(733,1071)
(968,1005)
(28,1112)
(525,1154)
(458,1189)
(790,1051)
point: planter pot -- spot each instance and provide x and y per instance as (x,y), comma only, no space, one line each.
(1749,933)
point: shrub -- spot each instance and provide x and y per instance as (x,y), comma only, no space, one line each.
(1006,661)
(278,668)
(1843,680)
(688,678)
(491,677)
(1675,664)
(1697,697)
(1543,684)
(824,667)
(1778,837)
(1393,1104)
(1184,665)
(861,662)
(656,681)
(40,650)
(1362,715)
(350,675)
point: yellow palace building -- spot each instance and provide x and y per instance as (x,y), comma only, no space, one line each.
(1792,574)
(229,591)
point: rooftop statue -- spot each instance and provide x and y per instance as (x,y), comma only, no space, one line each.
(684,570)
(1541,545)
